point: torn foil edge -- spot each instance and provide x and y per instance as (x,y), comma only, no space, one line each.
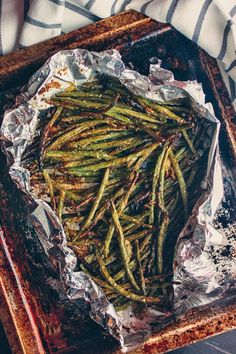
(19,128)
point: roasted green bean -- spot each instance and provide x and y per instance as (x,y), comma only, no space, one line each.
(122,173)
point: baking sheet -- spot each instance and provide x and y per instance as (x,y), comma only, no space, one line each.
(26,118)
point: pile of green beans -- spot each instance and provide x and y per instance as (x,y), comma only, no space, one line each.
(122,173)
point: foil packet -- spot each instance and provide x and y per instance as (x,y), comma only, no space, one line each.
(200,275)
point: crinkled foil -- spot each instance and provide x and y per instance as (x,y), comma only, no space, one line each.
(197,279)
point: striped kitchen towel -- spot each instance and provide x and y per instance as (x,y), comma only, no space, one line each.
(210,23)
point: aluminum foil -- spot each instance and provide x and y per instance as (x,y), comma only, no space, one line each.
(197,278)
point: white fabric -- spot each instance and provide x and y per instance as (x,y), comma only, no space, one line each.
(210,23)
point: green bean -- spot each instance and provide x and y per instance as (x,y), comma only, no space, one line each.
(73,186)
(122,206)
(78,103)
(120,117)
(73,196)
(173,203)
(130,142)
(136,220)
(112,257)
(160,242)
(63,105)
(103,209)
(90,95)
(130,295)
(45,134)
(181,153)
(136,124)
(79,118)
(140,270)
(191,177)
(148,109)
(165,111)
(121,240)
(61,204)
(73,219)
(84,173)
(138,235)
(131,228)
(100,137)
(64,138)
(141,160)
(190,144)
(86,200)
(116,162)
(98,199)
(155,180)
(64,155)
(131,113)
(161,201)
(50,187)
(103,130)
(152,132)
(77,163)
(180,178)
(133,264)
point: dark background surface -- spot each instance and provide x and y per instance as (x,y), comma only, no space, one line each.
(4,347)
(224,343)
